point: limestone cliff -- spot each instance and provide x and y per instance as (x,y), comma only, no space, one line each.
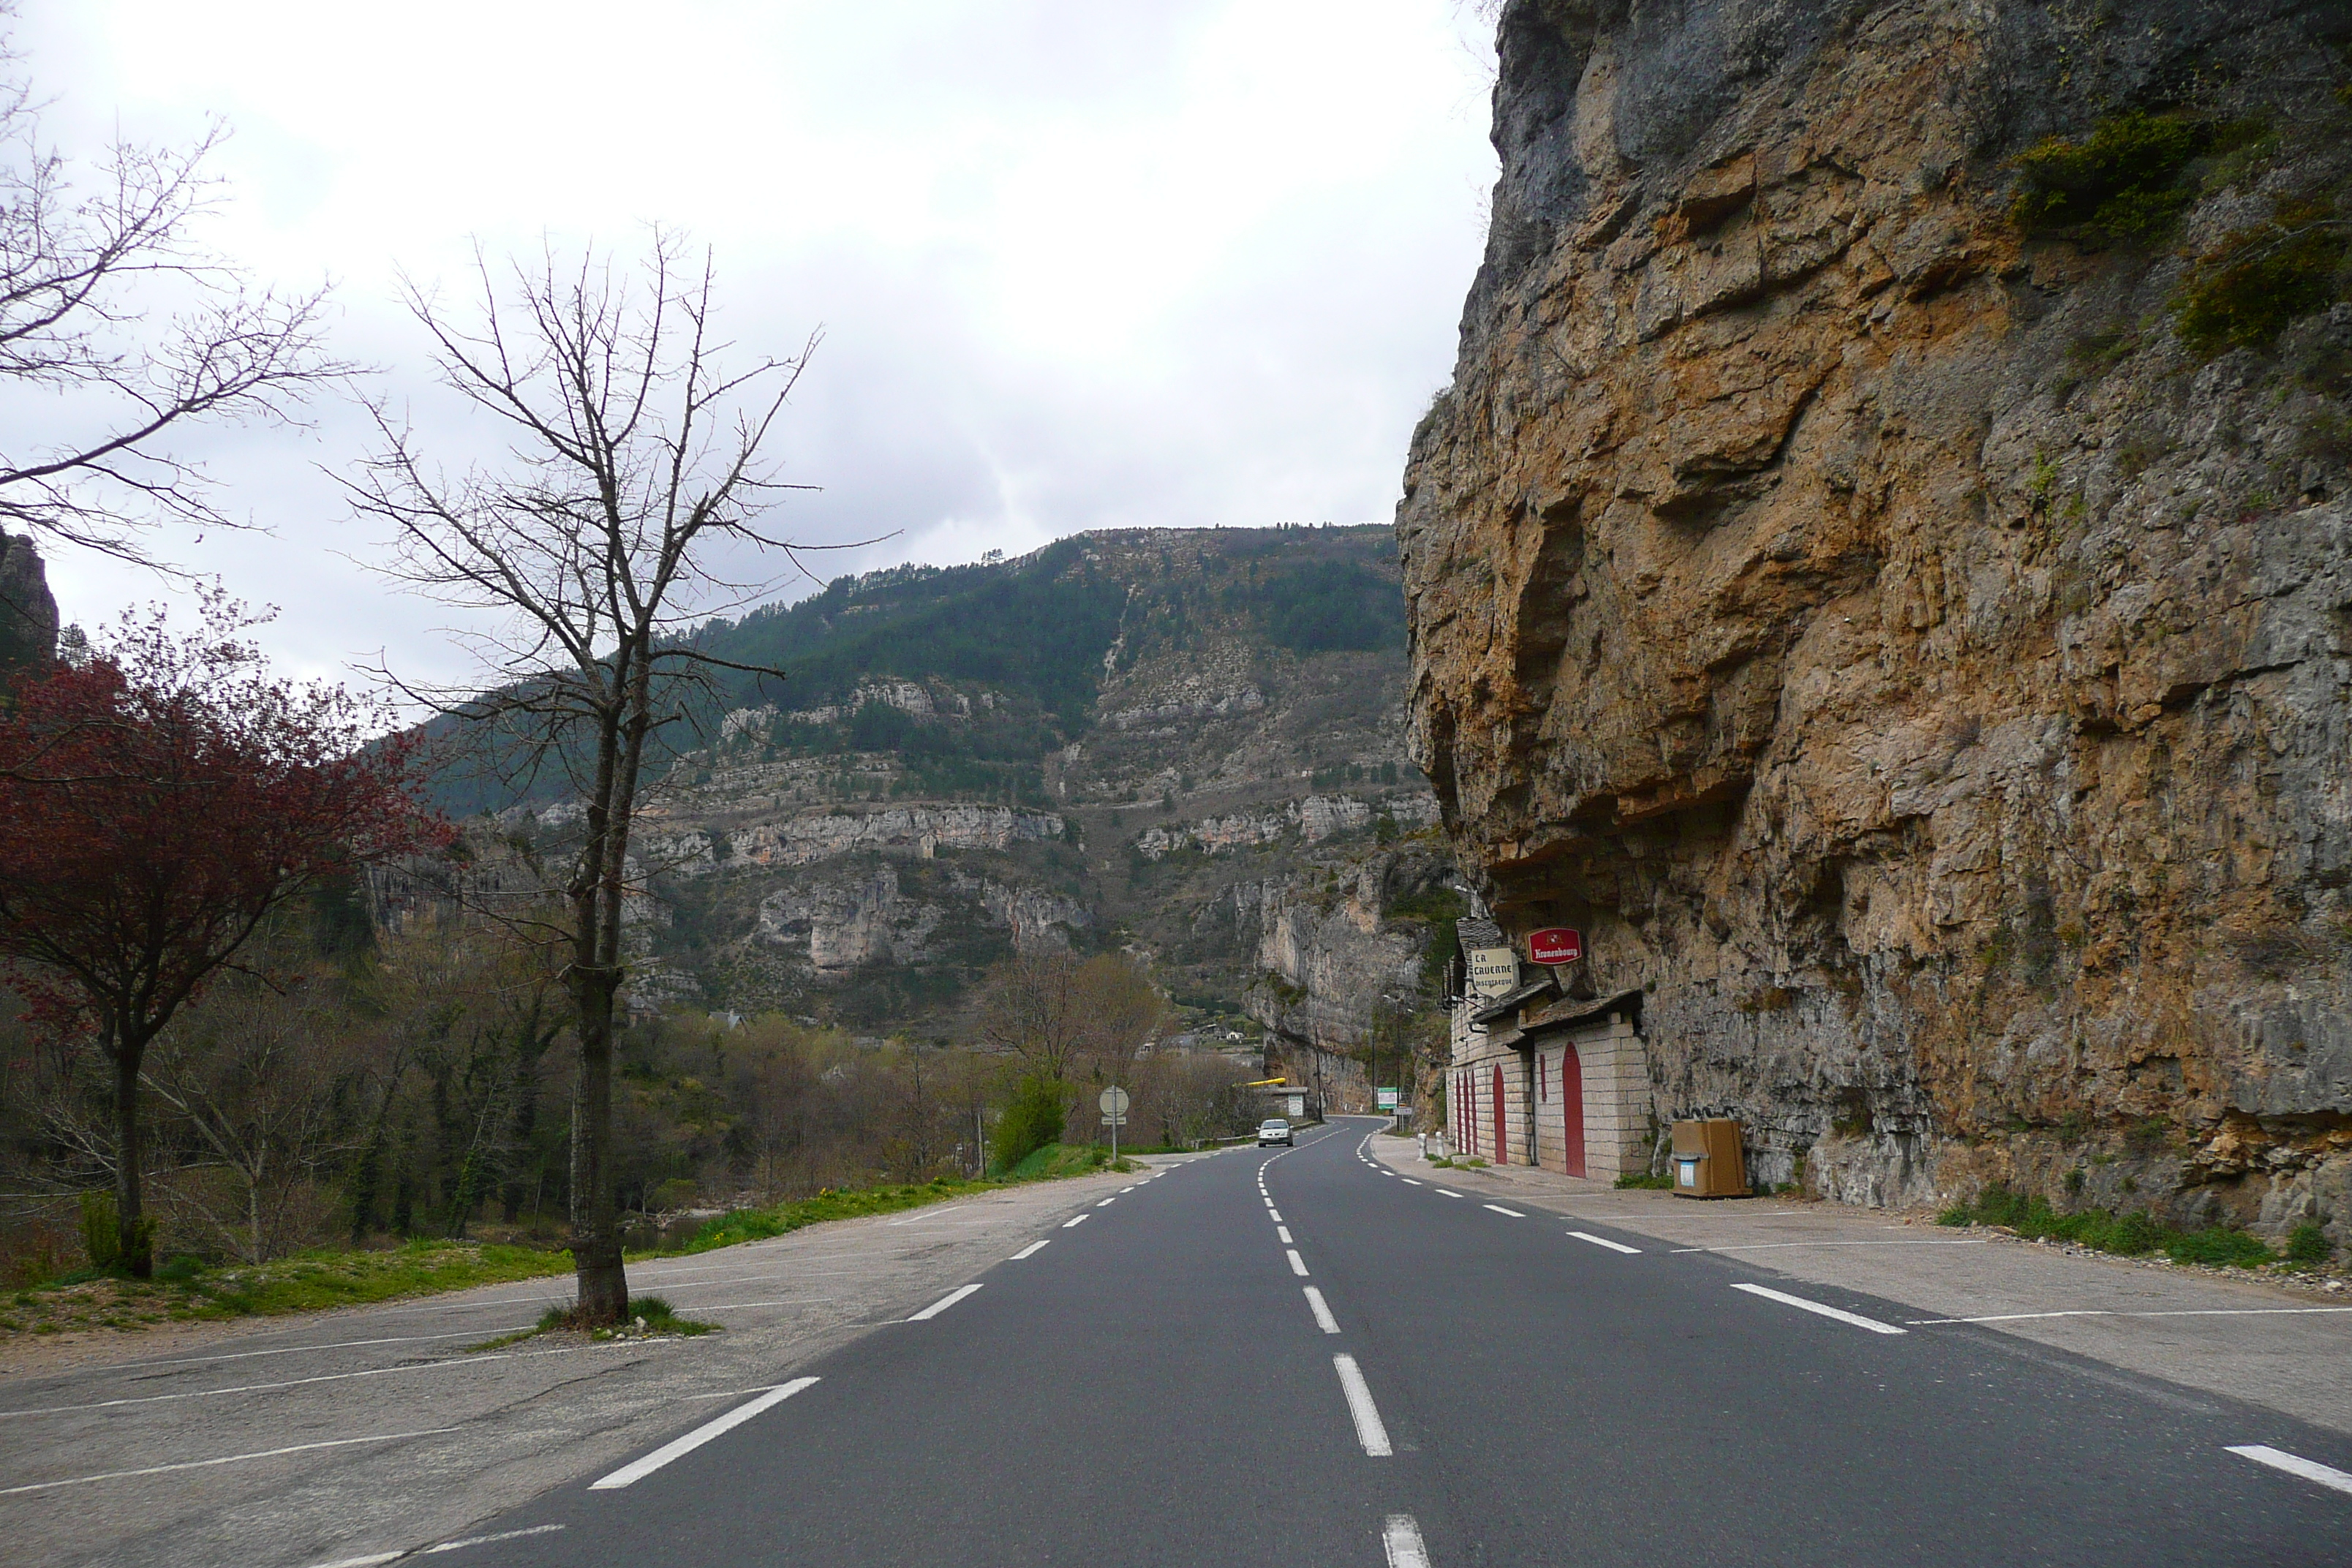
(28,611)
(1882,569)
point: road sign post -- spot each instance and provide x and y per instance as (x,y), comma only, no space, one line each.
(1113,1102)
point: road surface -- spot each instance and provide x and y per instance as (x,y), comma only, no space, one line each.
(1304,1357)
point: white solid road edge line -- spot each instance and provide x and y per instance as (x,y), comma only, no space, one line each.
(1500,1209)
(677,1447)
(1032,1250)
(1322,1311)
(943,1304)
(1297,1265)
(1400,1538)
(224,1459)
(1604,1241)
(1873,1325)
(1369,1430)
(1080,1220)
(2295,1464)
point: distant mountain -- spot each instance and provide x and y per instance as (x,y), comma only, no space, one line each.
(1186,742)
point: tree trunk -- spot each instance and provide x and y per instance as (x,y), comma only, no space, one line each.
(138,1249)
(604,1284)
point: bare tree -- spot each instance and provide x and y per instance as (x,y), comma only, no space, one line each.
(635,456)
(1061,1014)
(87,263)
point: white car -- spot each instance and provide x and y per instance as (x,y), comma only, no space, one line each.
(1275,1131)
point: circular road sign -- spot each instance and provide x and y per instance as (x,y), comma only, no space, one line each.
(1113,1102)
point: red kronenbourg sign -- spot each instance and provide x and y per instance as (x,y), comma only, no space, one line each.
(1558,944)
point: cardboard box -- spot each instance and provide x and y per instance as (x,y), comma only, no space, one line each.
(1706,1162)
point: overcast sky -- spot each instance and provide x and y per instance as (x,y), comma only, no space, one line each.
(1078,263)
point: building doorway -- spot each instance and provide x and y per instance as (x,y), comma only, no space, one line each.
(1571,1111)
(1502,1144)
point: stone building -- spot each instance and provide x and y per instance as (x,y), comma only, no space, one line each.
(1537,1077)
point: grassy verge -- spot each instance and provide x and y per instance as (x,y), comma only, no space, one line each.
(2129,1234)
(187,1291)
(184,1291)
(1644,1180)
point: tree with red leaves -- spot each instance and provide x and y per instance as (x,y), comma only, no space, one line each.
(159,800)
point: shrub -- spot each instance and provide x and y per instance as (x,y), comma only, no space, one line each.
(1645,1180)
(101,1231)
(2244,293)
(2307,1243)
(2123,178)
(1033,1121)
(2129,1234)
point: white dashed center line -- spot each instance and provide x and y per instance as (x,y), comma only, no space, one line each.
(1604,1241)
(1500,1209)
(1282,1232)
(1032,1250)
(1449,1191)
(1080,1220)
(1859,1321)
(1322,1311)
(1408,1181)
(1373,1436)
(1400,1538)
(1298,1264)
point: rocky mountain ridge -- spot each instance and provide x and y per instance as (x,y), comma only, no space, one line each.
(1211,773)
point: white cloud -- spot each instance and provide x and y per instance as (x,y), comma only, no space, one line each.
(1078,265)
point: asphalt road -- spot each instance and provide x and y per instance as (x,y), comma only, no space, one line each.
(1302,1358)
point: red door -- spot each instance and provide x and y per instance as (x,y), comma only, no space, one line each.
(1571,1110)
(1502,1149)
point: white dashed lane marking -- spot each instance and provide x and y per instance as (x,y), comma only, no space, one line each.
(1032,1250)
(942,1304)
(1400,1538)
(2327,1476)
(1298,1264)
(678,1447)
(1282,1233)
(1322,1311)
(1080,1220)
(1856,1319)
(1604,1241)
(1500,1209)
(1369,1432)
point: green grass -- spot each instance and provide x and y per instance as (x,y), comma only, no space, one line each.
(783,1219)
(2129,1234)
(185,1290)
(1644,1180)
(1052,1162)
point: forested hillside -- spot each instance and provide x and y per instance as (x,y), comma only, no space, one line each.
(1186,745)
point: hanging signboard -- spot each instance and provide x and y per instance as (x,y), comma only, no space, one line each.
(1554,945)
(1494,972)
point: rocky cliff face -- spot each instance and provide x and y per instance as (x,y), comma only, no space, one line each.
(1883,569)
(28,611)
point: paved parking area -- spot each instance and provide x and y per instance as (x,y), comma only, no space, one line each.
(2288,1350)
(344,1435)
